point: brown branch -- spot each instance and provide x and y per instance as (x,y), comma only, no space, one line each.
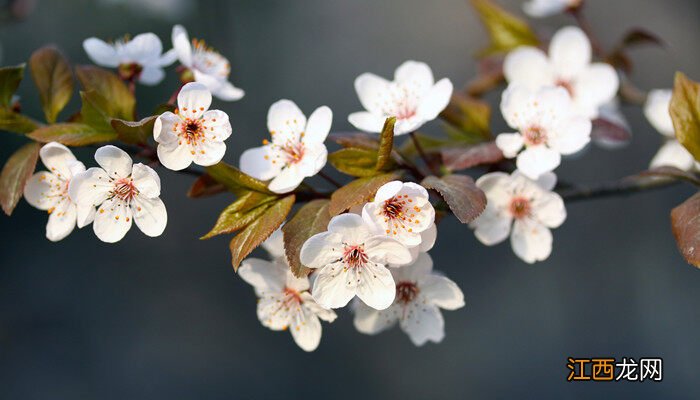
(623,187)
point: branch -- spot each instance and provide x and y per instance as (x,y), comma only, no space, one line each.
(623,187)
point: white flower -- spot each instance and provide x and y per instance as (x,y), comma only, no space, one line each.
(530,207)
(296,151)
(420,293)
(209,67)
(193,133)
(401,211)
(140,58)
(547,127)
(546,8)
(274,245)
(671,153)
(48,190)
(285,301)
(413,98)
(568,65)
(121,192)
(352,261)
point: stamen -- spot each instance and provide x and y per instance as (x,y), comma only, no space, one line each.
(406,292)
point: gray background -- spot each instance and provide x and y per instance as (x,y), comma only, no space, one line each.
(168,318)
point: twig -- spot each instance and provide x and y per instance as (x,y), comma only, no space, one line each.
(582,22)
(422,153)
(623,187)
(329,179)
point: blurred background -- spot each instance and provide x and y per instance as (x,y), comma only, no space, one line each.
(168,318)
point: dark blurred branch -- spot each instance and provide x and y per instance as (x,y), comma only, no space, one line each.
(623,187)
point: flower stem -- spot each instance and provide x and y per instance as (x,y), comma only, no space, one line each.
(329,179)
(422,154)
(585,26)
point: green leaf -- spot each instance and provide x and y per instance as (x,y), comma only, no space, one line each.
(685,113)
(256,233)
(72,134)
(120,101)
(10,77)
(505,30)
(134,132)
(240,213)
(18,168)
(386,145)
(15,122)
(95,111)
(354,162)
(685,222)
(460,192)
(235,180)
(311,219)
(471,118)
(53,78)
(358,140)
(358,192)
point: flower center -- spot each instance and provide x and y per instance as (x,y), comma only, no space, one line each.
(291,296)
(192,131)
(294,152)
(520,207)
(355,256)
(406,292)
(129,72)
(124,189)
(534,135)
(393,208)
(566,84)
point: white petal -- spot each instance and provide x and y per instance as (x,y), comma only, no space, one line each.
(595,86)
(165,128)
(85,214)
(181,44)
(569,52)
(146,180)
(442,292)
(314,159)
(423,323)
(219,121)
(167,58)
(266,277)
(334,286)
(428,238)
(517,106)
(544,8)
(536,160)
(90,188)
(318,126)
(58,159)
(175,156)
(294,283)
(547,181)
(572,135)
(351,227)
(388,190)
(321,249)
(375,286)
(416,271)
(193,100)
(367,121)
(656,110)
(370,321)
(151,76)
(257,162)
(415,73)
(115,161)
(311,305)
(496,187)
(306,330)
(101,53)
(491,227)
(271,315)
(285,121)
(61,221)
(209,152)
(673,154)
(150,215)
(531,241)
(549,209)
(435,100)
(384,250)
(372,91)
(43,190)
(274,245)
(287,180)
(510,144)
(112,221)
(144,48)
(527,66)
(226,91)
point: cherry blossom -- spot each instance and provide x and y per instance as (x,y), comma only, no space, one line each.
(522,208)
(193,133)
(546,8)
(420,293)
(208,66)
(122,192)
(401,211)
(671,153)
(547,125)
(350,261)
(285,301)
(140,58)
(296,150)
(413,98)
(569,66)
(48,190)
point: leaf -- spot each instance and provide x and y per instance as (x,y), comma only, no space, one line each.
(685,113)
(72,134)
(386,145)
(358,191)
(235,180)
(15,122)
(460,192)
(240,213)
(685,222)
(505,30)
(428,143)
(108,85)
(18,168)
(354,162)
(458,158)
(470,116)
(358,140)
(256,233)
(610,134)
(53,78)
(311,219)
(672,172)
(95,111)
(639,36)
(134,132)
(205,186)
(10,77)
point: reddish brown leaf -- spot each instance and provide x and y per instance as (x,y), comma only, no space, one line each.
(356,139)
(609,133)
(685,222)
(311,219)
(205,186)
(358,191)
(459,158)
(460,192)
(18,168)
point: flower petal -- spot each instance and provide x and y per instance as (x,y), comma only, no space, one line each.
(569,52)
(182,46)
(673,154)
(258,163)
(90,188)
(311,305)
(334,286)
(428,238)
(193,100)
(510,143)
(321,249)
(209,152)
(594,87)
(271,315)
(115,161)
(656,111)
(548,208)
(544,8)
(287,180)
(85,215)
(150,215)
(43,190)
(547,181)
(146,180)
(306,330)
(58,159)
(318,126)
(285,121)
(314,159)
(265,276)
(226,91)
(435,100)
(165,128)
(351,227)
(415,73)
(423,323)
(101,53)
(492,226)
(370,321)
(372,91)
(384,250)
(144,48)
(367,121)
(572,135)
(61,221)
(531,241)
(416,271)
(151,76)
(536,160)
(375,285)
(218,126)
(175,156)
(529,67)
(442,292)
(112,221)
